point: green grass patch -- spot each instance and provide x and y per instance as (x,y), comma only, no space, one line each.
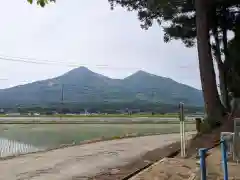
(102,115)
(119,115)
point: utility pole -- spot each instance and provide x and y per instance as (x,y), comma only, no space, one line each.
(153,93)
(3,79)
(62,98)
(152,98)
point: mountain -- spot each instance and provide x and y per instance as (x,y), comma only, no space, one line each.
(81,85)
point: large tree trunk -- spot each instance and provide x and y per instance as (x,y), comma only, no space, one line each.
(222,71)
(223,89)
(226,54)
(213,105)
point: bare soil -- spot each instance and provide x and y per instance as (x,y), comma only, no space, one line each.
(169,169)
(214,166)
(208,140)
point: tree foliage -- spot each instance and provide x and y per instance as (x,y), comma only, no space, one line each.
(178,17)
(41,3)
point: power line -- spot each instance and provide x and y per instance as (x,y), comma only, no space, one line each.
(49,62)
(30,59)
(63,63)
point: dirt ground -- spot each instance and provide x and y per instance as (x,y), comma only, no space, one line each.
(214,166)
(184,169)
(82,162)
(187,168)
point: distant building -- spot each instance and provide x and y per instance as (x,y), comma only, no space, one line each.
(2,111)
(129,111)
(120,111)
(13,114)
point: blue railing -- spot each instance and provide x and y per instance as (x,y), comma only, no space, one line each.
(203,167)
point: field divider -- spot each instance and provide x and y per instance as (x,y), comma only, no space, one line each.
(89,122)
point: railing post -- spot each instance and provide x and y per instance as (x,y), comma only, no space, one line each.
(224,159)
(198,124)
(202,154)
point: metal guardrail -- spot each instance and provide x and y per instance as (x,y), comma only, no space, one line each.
(203,167)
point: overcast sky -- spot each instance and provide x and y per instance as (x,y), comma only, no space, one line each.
(75,32)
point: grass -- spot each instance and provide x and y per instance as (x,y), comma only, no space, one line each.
(105,121)
(55,135)
(91,120)
(122,115)
(173,115)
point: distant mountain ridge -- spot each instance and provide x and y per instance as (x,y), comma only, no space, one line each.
(81,85)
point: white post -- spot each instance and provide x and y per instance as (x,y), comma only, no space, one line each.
(182,129)
(180,119)
(184,134)
(181,135)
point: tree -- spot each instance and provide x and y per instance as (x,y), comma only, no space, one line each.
(42,3)
(234,63)
(221,18)
(205,60)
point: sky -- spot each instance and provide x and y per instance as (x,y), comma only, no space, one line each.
(74,33)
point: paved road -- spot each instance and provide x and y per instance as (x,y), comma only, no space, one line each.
(79,161)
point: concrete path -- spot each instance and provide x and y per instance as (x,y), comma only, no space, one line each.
(79,161)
